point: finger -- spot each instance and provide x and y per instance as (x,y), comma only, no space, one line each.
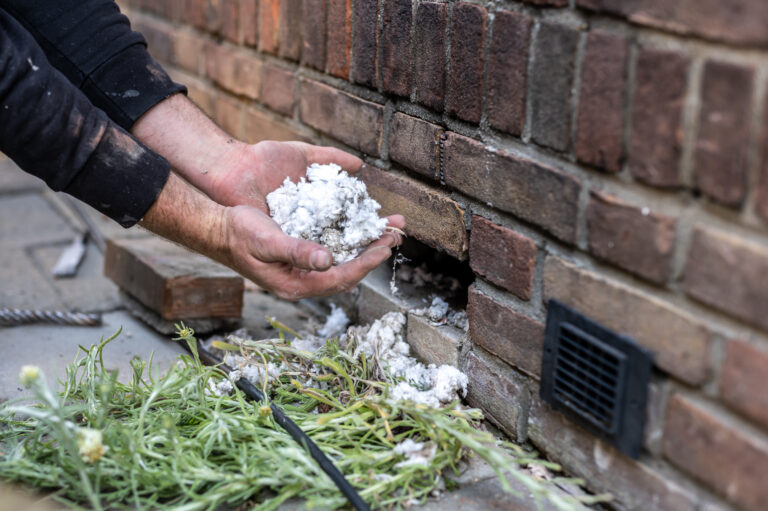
(396,221)
(298,253)
(345,276)
(325,155)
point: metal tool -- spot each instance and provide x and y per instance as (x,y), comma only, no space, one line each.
(15,317)
(70,259)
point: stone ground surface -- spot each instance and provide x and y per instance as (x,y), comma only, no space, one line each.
(35,226)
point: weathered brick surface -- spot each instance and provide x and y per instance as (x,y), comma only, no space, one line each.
(234,69)
(249,21)
(354,121)
(430,216)
(513,337)
(744,371)
(736,21)
(503,256)
(158,35)
(680,344)
(465,83)
(429,55)
(194,13)
(364,37)
(631,237)
(313,31)
(600,119)
(693,433)
(230,19)
(527,189)
(551,82)
(635,486)
(278,89)
(721,149)
(434,344)
(188,50)
(657,116)
(339,39)
(396,47)
(228,113)
(503,397)
(414,144)
(269,20)
(729,273)
(261,126)
(289,29)
(508,71)
(213,15)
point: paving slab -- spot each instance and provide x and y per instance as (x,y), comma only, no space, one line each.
(28,220)
(22,284)
(14,180)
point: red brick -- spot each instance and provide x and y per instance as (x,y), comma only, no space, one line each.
(230,20)
(729,274)
(503,256)
(228,113)
(433,344)
(339,37)
(188,50)
(213,12)
(364,38)
(721,150)
(503,397)
(396,47)
(354,121)
(600,119)
(508,71)
(720,455)
(262,126)
(762,187)
(735,21)
(555,3)
(465,83)
(631,237)
(743,380)
(680,344)
(234,69)
(657,117)
(289,29)
(278,89)
(194,12)
(415,144)
(249,21)
(527,189)
(513,337)
(633,485)
(313,29)
(430,215)
(551,82)
(269,22)
(429,55)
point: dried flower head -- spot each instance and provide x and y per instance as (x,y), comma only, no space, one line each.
(29,375)
(89,443)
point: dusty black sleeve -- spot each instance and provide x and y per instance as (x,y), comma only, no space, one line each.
(92,44)
(50,129)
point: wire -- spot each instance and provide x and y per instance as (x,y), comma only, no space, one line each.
(293,429)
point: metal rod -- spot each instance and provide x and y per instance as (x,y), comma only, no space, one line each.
(15,317)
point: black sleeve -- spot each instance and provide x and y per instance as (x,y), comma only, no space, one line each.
(91,42)
(50,129)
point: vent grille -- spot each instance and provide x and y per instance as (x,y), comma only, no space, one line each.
(598,377)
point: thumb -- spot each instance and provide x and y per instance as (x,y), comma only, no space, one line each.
(299,253)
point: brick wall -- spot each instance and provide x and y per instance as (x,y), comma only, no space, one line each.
(607,153)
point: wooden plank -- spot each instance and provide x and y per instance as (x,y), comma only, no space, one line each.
(172,281)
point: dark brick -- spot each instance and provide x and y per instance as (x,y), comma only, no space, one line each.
(600,119)
(354,121)
(262,126)
(551,82)
(213,11)
(735,21)
(364,38)
(188,50)
(289,29)
(159,37)
(504,398)
(429,55)
(657,117)
(508,71)
(525,188)
(194,13)
(230,20)
(743,380)
(434,344)
(339,37)
(503,256)
(278,89)
(555,3)
(693,433)
(721,150)
(729,273)
(761,205)
(516,339)
(249,21)
(465,82)
(630,237)
(396,47)
(313,23)
(681,345)
(430,215)
(233,69)
(269,19)
(414,143)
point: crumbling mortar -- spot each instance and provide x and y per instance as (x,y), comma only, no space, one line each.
(386,123)
(489,23)
(629,96)
(379,46)
(691,110)
(412,50)
(570,153)
(526,133)
(447,58)
(717,358)
(755,150)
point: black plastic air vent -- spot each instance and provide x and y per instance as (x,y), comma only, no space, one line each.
(595,376)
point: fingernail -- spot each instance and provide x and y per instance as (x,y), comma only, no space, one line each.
(320,260)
